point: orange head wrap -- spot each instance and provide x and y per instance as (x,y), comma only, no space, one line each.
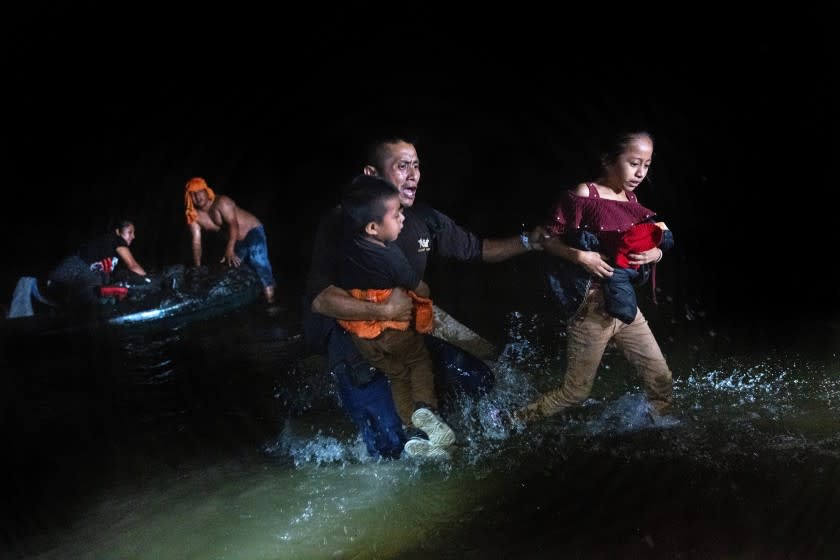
(194,185)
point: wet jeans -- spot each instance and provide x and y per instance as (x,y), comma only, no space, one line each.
(372,410)
(587,336)
(253,250)
(365,395)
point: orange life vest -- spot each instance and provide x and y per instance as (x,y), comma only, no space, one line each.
(423,319)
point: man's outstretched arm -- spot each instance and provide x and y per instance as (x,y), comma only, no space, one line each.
(497,250)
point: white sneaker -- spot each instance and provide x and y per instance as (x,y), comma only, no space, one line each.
(423,448)
(437,430)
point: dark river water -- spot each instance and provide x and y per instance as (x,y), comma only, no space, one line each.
(222,439)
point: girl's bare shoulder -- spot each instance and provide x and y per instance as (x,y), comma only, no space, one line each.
(581,189)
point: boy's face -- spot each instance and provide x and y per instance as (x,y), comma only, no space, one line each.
(392,222)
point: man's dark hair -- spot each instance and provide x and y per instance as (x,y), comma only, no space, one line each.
(375,150)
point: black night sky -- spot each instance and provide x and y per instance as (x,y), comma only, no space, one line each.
(108,111)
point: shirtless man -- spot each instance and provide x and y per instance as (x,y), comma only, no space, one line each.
(246,241)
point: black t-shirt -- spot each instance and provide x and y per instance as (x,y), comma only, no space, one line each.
(424,230)
(103,247)
(368,266)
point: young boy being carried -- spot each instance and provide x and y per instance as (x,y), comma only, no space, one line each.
(371,267)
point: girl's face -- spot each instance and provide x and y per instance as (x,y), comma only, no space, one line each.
(631,166)
(127,233)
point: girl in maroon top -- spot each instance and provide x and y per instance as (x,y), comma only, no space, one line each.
(608,208)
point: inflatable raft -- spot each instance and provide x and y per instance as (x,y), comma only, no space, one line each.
(174,295)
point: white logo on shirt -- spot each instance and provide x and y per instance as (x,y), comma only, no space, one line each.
(423,245)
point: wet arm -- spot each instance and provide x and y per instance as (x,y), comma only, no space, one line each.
(125,254)
(228,210)
(497,250)
(195,232)
(591,261)
(337,303)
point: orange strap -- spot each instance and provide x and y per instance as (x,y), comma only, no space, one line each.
(194,185)
(423,318)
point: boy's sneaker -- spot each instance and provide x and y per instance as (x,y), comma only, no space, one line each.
(439,433)
(422,448)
